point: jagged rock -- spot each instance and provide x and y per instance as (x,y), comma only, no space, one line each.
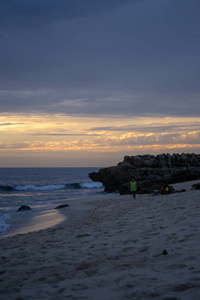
(24,207)
(6,188)
(150,171)
(61,206)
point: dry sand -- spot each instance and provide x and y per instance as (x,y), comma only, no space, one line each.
(110,248)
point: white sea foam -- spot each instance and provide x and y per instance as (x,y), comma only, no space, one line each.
(39,188)
(91,185)
(82,185)
(4,226)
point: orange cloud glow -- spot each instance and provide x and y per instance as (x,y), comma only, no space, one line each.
(69,137)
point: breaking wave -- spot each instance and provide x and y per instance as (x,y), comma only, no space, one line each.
(76,185)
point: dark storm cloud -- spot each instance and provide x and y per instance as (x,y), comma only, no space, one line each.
(153,128)
(10,124)
(100,57)
(65,134)
(37,13)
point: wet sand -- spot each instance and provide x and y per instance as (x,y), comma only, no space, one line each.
(29,221)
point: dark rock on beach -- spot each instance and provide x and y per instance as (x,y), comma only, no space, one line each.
(6,188)
(150,171)
(24,207)
(62,206)
(196,186)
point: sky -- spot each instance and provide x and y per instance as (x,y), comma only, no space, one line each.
(86,82)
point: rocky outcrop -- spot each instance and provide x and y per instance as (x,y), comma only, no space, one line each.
(150,171)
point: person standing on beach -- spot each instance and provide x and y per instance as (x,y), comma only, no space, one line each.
(133,186)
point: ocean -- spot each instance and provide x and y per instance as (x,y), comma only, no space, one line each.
(40,188)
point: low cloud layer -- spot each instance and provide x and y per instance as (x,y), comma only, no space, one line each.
(100,57)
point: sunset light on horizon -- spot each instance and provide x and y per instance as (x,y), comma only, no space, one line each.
(65,141)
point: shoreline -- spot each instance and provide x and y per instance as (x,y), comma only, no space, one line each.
(30,221)
(25,222)
(110,247)
(34,220)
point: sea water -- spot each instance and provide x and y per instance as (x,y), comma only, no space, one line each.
(40,188)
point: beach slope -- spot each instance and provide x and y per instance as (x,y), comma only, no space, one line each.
(119,248)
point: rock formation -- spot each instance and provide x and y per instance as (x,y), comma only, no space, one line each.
(196,186)
(150,171)
(62,206)
(24,207)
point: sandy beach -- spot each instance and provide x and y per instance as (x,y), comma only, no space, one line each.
(110,247)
